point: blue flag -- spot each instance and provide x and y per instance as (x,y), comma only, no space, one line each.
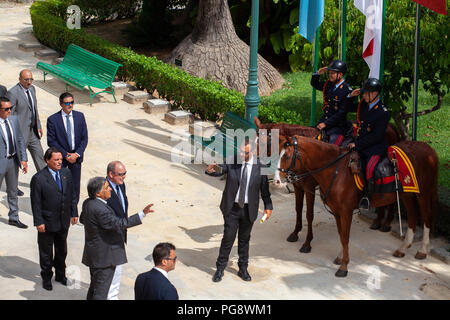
(311,17)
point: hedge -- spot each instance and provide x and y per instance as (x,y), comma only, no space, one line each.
(207,99)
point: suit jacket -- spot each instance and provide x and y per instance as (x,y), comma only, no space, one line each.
(2,91)
(153,285)
(104,246)
(19,144)
(22,109)
(57,134)
(335,101)
(258,183)
(115,204)
(370,129)
(50,206)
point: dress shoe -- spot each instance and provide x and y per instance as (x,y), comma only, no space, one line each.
(244,275)
(62,280)
(19,193)
(47,285)
(18,224)
(217,276)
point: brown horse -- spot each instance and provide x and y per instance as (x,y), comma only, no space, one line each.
(309,184)
(306,155)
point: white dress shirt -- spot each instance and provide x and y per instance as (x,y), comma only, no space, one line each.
(64,115)
(164,272)
(5,134)
(249,172)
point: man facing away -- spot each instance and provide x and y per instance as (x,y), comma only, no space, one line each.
(104,248)
(155,284)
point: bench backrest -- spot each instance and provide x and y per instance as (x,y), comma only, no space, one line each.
(90,63)
(233,121)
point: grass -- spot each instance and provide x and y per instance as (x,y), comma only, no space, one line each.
(433,128)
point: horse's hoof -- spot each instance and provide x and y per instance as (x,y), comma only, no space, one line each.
(341,273)
(292,238)
(337,261)
(375,225)
(398,254)
(420,255)
(385,228)
(305,249)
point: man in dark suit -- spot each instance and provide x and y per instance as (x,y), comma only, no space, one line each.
(154,284)
(54,208)
(116,174)
(104,248)
(2,91)
(24,103)
(67,131)
(13,156)
(239,206)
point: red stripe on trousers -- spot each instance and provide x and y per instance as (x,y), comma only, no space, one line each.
(371,165)
(339,140)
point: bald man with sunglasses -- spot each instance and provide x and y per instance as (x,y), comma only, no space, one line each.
(67,131)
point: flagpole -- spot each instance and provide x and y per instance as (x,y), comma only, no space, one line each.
(344,31)
(315,67)
(416,73)
(382,44)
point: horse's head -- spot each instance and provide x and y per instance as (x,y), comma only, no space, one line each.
(289,161)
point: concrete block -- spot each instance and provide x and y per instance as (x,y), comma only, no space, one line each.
(179,117)
(57,60)
(33,46)
(205,129)
(156,106)
(136,97)
(121,88)
(46,54)
(442,254)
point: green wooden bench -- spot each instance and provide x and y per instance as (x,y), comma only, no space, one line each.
(81,68)
(222,143)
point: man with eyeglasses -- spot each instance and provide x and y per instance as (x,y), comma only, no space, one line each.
(67,131)
(115,175)
(154,284)
(104,250)
(13,156)
(24,106)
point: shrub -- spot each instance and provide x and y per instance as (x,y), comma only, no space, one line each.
(205,98)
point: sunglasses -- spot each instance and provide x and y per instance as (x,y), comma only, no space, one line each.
(172,258)
(7,109)
(68,103)
(121,174)
(28,79)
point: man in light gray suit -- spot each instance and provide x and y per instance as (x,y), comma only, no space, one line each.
(24,103)
(12,156)
(104,248)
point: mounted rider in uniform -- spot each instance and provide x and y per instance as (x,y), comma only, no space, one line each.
(335,95)
(370,132)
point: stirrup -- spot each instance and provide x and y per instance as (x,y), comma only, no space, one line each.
(364,203)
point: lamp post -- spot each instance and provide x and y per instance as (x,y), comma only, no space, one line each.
(251,99)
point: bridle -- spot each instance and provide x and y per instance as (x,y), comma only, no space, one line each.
(292,177)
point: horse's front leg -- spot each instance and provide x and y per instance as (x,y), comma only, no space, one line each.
(376,223)
(299,194)
(306,247)
(346,221)
(386,225)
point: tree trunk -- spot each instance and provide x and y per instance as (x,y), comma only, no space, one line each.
(213,51)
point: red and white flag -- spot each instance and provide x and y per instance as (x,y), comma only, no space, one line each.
(373,10)
(435,5)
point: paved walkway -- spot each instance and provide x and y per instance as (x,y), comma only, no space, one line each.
(187,214)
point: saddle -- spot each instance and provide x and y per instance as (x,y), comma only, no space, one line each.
(384,175)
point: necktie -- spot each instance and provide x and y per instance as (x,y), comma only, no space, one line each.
(58,181)
(69,130)
(33,114)
(242,187)
(120,198)
(11,149)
